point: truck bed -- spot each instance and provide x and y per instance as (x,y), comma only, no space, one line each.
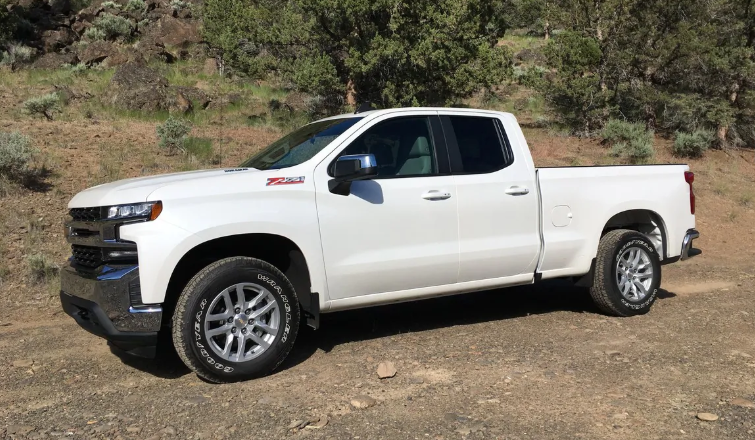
(574,211)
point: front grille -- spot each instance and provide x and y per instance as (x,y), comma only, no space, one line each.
(85,214)
(87,256)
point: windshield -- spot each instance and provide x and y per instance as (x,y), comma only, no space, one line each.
(300,145)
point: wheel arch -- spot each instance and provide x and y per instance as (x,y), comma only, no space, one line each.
(644,221)
(275,249)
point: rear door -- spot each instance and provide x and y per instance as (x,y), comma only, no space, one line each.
(496,196)
(399,230)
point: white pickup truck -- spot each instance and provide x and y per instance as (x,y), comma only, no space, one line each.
(353,211)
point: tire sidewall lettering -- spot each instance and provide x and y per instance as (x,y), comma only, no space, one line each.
(286,305)
(648,301)
(201,347)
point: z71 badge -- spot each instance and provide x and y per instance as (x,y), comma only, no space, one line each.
(284,180)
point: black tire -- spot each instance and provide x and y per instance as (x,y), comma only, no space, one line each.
(605,290)
(188,321)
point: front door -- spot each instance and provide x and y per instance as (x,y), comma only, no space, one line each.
(399,230)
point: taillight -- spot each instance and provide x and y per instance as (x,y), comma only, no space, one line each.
(689,176)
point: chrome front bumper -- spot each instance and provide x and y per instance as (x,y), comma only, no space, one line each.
(687,250)
(101,302)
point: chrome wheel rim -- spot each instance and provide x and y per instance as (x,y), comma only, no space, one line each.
(634,274)
(242,322)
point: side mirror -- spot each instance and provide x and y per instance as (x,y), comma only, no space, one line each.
(350,168)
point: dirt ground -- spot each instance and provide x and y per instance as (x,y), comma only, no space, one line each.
(534,362)
(537,362)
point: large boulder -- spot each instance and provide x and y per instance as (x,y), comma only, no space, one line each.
(53,60)
(149,50)
(96,52)
(171,31)
(59,6)
(135,86)
(57,39)
(193,94)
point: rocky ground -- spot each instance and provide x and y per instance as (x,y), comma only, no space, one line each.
(536,362)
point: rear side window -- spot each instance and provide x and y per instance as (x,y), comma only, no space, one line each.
(480,144)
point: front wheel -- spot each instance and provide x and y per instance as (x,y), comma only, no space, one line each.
(627,274)
(237,319)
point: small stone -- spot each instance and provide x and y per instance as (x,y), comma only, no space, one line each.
(23,363)
(386,370)
(707,417)
(742,402)
(133,429)
(20,429)
(464,431)
(620,416)
(416,380)
(198,400)
(319,424)
(168,430)
(294,424)
(362,402)
(476,426)
(612,353)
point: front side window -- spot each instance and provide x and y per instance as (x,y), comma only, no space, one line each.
(300,145)
(402,147)
(479,144)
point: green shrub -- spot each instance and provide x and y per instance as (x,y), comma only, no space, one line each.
(45,105)
(78,69)
(173,133)
(16,155)
(693,144)
(41,268)
(135,6)
(17,53)
(178,5)
(95,34)
(110,4)
(7,22)
(111,26)
(201,149)
(629,140)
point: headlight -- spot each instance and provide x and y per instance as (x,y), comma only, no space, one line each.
(148,211)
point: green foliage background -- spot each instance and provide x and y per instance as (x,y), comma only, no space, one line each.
(392,53)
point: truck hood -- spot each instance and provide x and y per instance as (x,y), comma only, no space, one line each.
(138,189)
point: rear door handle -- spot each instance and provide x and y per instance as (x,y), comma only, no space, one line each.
(517,190)
(436,195)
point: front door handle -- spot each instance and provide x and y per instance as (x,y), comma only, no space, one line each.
(436,195)
(517,190)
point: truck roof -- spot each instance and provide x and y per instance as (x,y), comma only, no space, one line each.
(403,109)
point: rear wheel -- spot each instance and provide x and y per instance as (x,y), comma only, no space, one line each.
(627,274)
(236,319)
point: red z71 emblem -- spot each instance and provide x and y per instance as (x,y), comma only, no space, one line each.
(284,180)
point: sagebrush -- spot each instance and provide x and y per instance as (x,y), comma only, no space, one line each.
(16,157)
(17,53)
(173,133)
(45,105)
(628,140)
(111,27)
(135,6)
(41,267)
(693,144)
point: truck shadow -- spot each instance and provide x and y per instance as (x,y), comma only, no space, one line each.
(380,322)
(472,308)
